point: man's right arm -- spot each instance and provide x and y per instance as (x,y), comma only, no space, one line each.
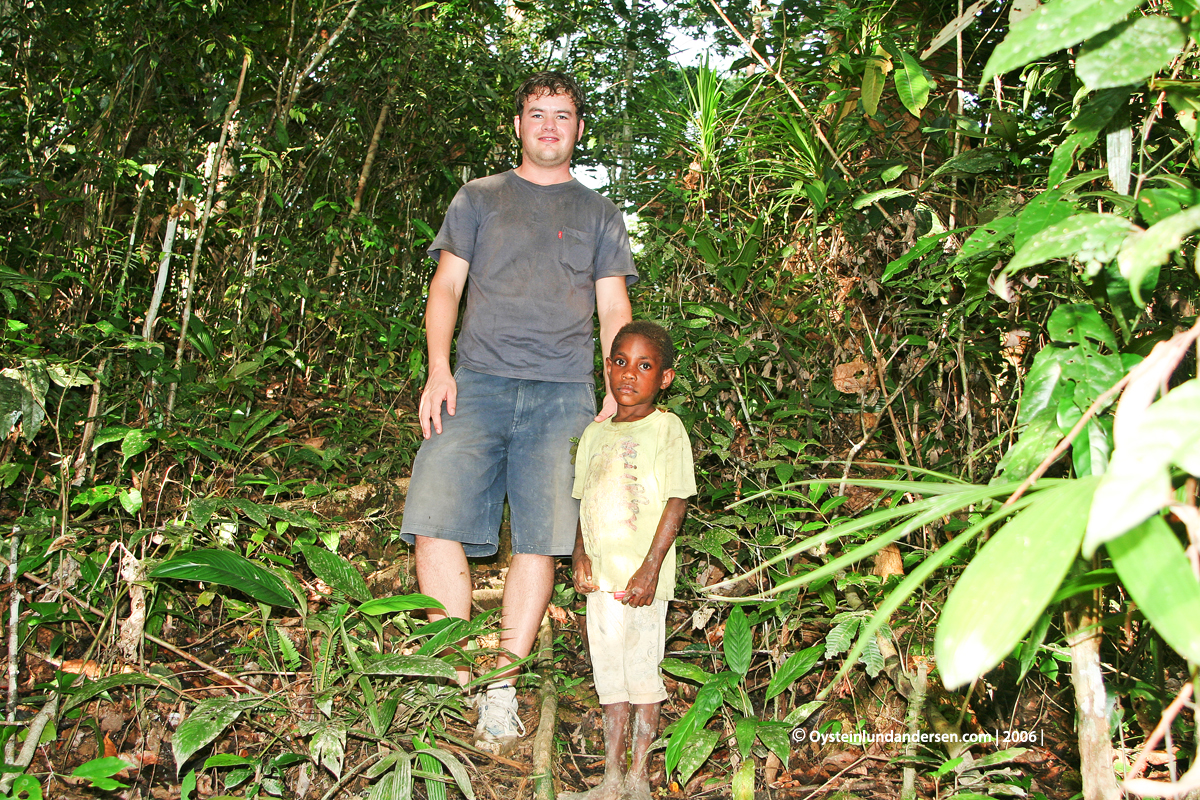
(441,315)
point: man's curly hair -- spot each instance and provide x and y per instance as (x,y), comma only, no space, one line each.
(652,332)
(552,82)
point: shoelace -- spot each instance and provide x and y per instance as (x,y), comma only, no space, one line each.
(500,719)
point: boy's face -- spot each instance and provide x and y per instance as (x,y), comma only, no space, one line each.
(548,128)
(636,375)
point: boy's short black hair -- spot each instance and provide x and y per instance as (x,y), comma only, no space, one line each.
(652,332)
(552,82)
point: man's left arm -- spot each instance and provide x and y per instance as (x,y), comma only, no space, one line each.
(612,306)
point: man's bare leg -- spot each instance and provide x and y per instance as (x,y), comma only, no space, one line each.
(616,740)
(645,729)
(527,592)
(443,574)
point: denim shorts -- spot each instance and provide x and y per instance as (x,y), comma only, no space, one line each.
(511,437)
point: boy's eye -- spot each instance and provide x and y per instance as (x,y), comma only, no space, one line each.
(645,366)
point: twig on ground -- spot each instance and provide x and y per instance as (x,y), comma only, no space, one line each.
(543,741)
(33,738)
(14,619)
(220,673)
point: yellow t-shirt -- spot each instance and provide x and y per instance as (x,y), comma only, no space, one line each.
(624,474)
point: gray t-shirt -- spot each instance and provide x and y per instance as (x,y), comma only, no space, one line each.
(535,254)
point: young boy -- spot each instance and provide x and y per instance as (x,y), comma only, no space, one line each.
(633,473)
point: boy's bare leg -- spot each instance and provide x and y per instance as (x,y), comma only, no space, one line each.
(443,574)
(616,740)
(527,590)
(645,729)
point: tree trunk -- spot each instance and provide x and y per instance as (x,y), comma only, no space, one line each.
(1091,701)
(214,178)
(364,175)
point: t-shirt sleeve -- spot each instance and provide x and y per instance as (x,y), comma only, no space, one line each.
(457,234)
(613,256)
(675,462)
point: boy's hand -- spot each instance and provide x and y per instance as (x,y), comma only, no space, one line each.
(581,573)
(641,587)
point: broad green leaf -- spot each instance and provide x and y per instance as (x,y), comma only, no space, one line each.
(974,162)
(1079,323)
(796,666)
(1151,248)
(742,785)
(777,737)
(328,748)
(1009,582)
(252,510)
(1051,27)
(872,87)
(913,84)
(201,510)
(68,377)
(336,571)
(80,694)
(1155,569)
(699,747)
(227,569)
(1035,443)
(739,641)
(744,731)
(1087,125)
(136,442)
(686,670)
(692,723)
(397,603)
(416,666)
(1138,481)
(1157,204)
(100,768)
(864,200)
(1130,53)
(1084,237)
(986,238)
(131,501)
(1044,210)
(1044,385)
(841,636)
(28,787)
(206,722)
(12,397)
(457,770)
(924,245)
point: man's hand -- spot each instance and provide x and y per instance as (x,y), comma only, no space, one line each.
(607,408)
(641,587)
(581,573)
(440,388)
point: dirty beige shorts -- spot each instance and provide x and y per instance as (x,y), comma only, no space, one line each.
(627,647)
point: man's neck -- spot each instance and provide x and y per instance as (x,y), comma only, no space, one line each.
(544,177)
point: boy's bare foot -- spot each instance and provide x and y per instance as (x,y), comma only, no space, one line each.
(607,790)
(635,789)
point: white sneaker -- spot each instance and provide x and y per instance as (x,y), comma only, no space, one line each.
(499,726)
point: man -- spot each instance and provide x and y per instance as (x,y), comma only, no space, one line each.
(537,252)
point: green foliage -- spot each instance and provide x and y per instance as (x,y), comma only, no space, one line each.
(228,569)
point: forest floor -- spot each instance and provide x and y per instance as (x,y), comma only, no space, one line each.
(141,735)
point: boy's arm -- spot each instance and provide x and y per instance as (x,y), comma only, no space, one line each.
(581,565)
(644,583)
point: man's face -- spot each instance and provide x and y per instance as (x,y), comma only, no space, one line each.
(548,129)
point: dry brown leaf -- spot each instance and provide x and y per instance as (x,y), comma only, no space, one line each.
(888,561)
(853,377)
